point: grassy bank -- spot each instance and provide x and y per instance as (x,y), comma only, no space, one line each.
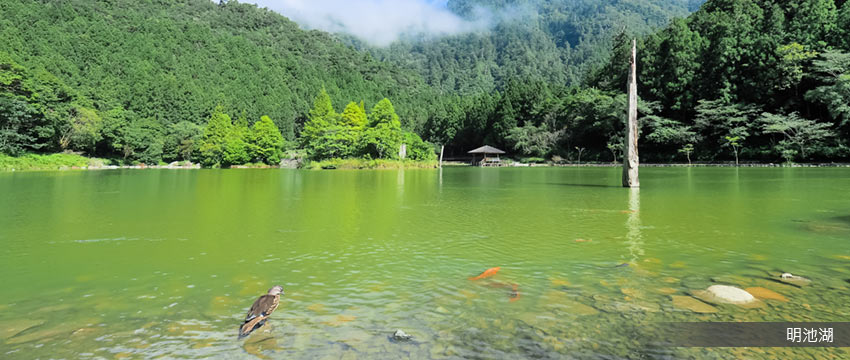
(47,162)
(370,164)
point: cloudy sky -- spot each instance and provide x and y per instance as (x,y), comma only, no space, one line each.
(379,22)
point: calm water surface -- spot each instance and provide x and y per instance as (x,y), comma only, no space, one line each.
(164,263)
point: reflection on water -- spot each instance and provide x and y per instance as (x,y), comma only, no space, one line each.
(633,225)
(153,263)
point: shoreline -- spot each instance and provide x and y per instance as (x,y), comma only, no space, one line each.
(65,162)
(244,167)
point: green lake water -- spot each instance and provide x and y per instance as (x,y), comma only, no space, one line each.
(165,263)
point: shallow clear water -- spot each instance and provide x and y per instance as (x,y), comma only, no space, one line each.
(150,263)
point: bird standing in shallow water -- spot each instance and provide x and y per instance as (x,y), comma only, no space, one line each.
(260,311)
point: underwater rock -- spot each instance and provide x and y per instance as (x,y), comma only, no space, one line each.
(632,292)
(666,290)
(340,320)
(725,294)
(765,294)
(795,280)
(317,308)
(400,335)
(689,303)
(257,345)
(560,302)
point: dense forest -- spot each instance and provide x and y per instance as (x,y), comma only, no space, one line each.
(552,41)
(134,80)
(150,81)
(756,79)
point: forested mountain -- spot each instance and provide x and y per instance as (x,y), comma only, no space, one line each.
(150,65)
(551,41)
(138,79)
(155,80)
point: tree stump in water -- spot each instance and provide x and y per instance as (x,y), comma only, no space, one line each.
(630,158)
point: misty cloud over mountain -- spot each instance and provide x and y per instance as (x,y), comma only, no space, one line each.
(379,22)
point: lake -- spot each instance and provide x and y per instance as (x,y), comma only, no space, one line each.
(149,263)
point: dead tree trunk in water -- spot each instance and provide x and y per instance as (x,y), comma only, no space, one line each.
(443,147)
(630,153)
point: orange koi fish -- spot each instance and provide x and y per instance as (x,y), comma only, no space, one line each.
(487,273)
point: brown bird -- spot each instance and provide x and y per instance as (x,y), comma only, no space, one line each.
(260,311)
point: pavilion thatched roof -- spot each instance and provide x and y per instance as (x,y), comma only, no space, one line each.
(486,149)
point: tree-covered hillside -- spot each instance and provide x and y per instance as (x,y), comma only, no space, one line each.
(155,64)
(147,81)
(551,41)
(761,79)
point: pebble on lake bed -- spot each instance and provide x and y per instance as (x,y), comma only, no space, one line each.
(795,280)
(725,294)
(400,335)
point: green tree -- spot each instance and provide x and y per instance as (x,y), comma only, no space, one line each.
(667,131)
(675,72)
(417,149)
(616,145)
(216,134)
(320,128)
(143,141)
(383,137)
(842,34)
(17,132)
(832,69)
(235,150)
(535,141)
(354,116)
(116,121)
(82,131)
(735,143)
(717,119)
(266,141)
(811,21)
(688,149)
(331,135)
(799,134)
(182,139)
(793,58)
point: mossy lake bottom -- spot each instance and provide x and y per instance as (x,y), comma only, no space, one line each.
(164,263)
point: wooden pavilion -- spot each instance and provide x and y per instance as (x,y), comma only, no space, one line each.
(487,160)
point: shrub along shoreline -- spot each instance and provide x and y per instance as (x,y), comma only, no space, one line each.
(58,161)
(62,161)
